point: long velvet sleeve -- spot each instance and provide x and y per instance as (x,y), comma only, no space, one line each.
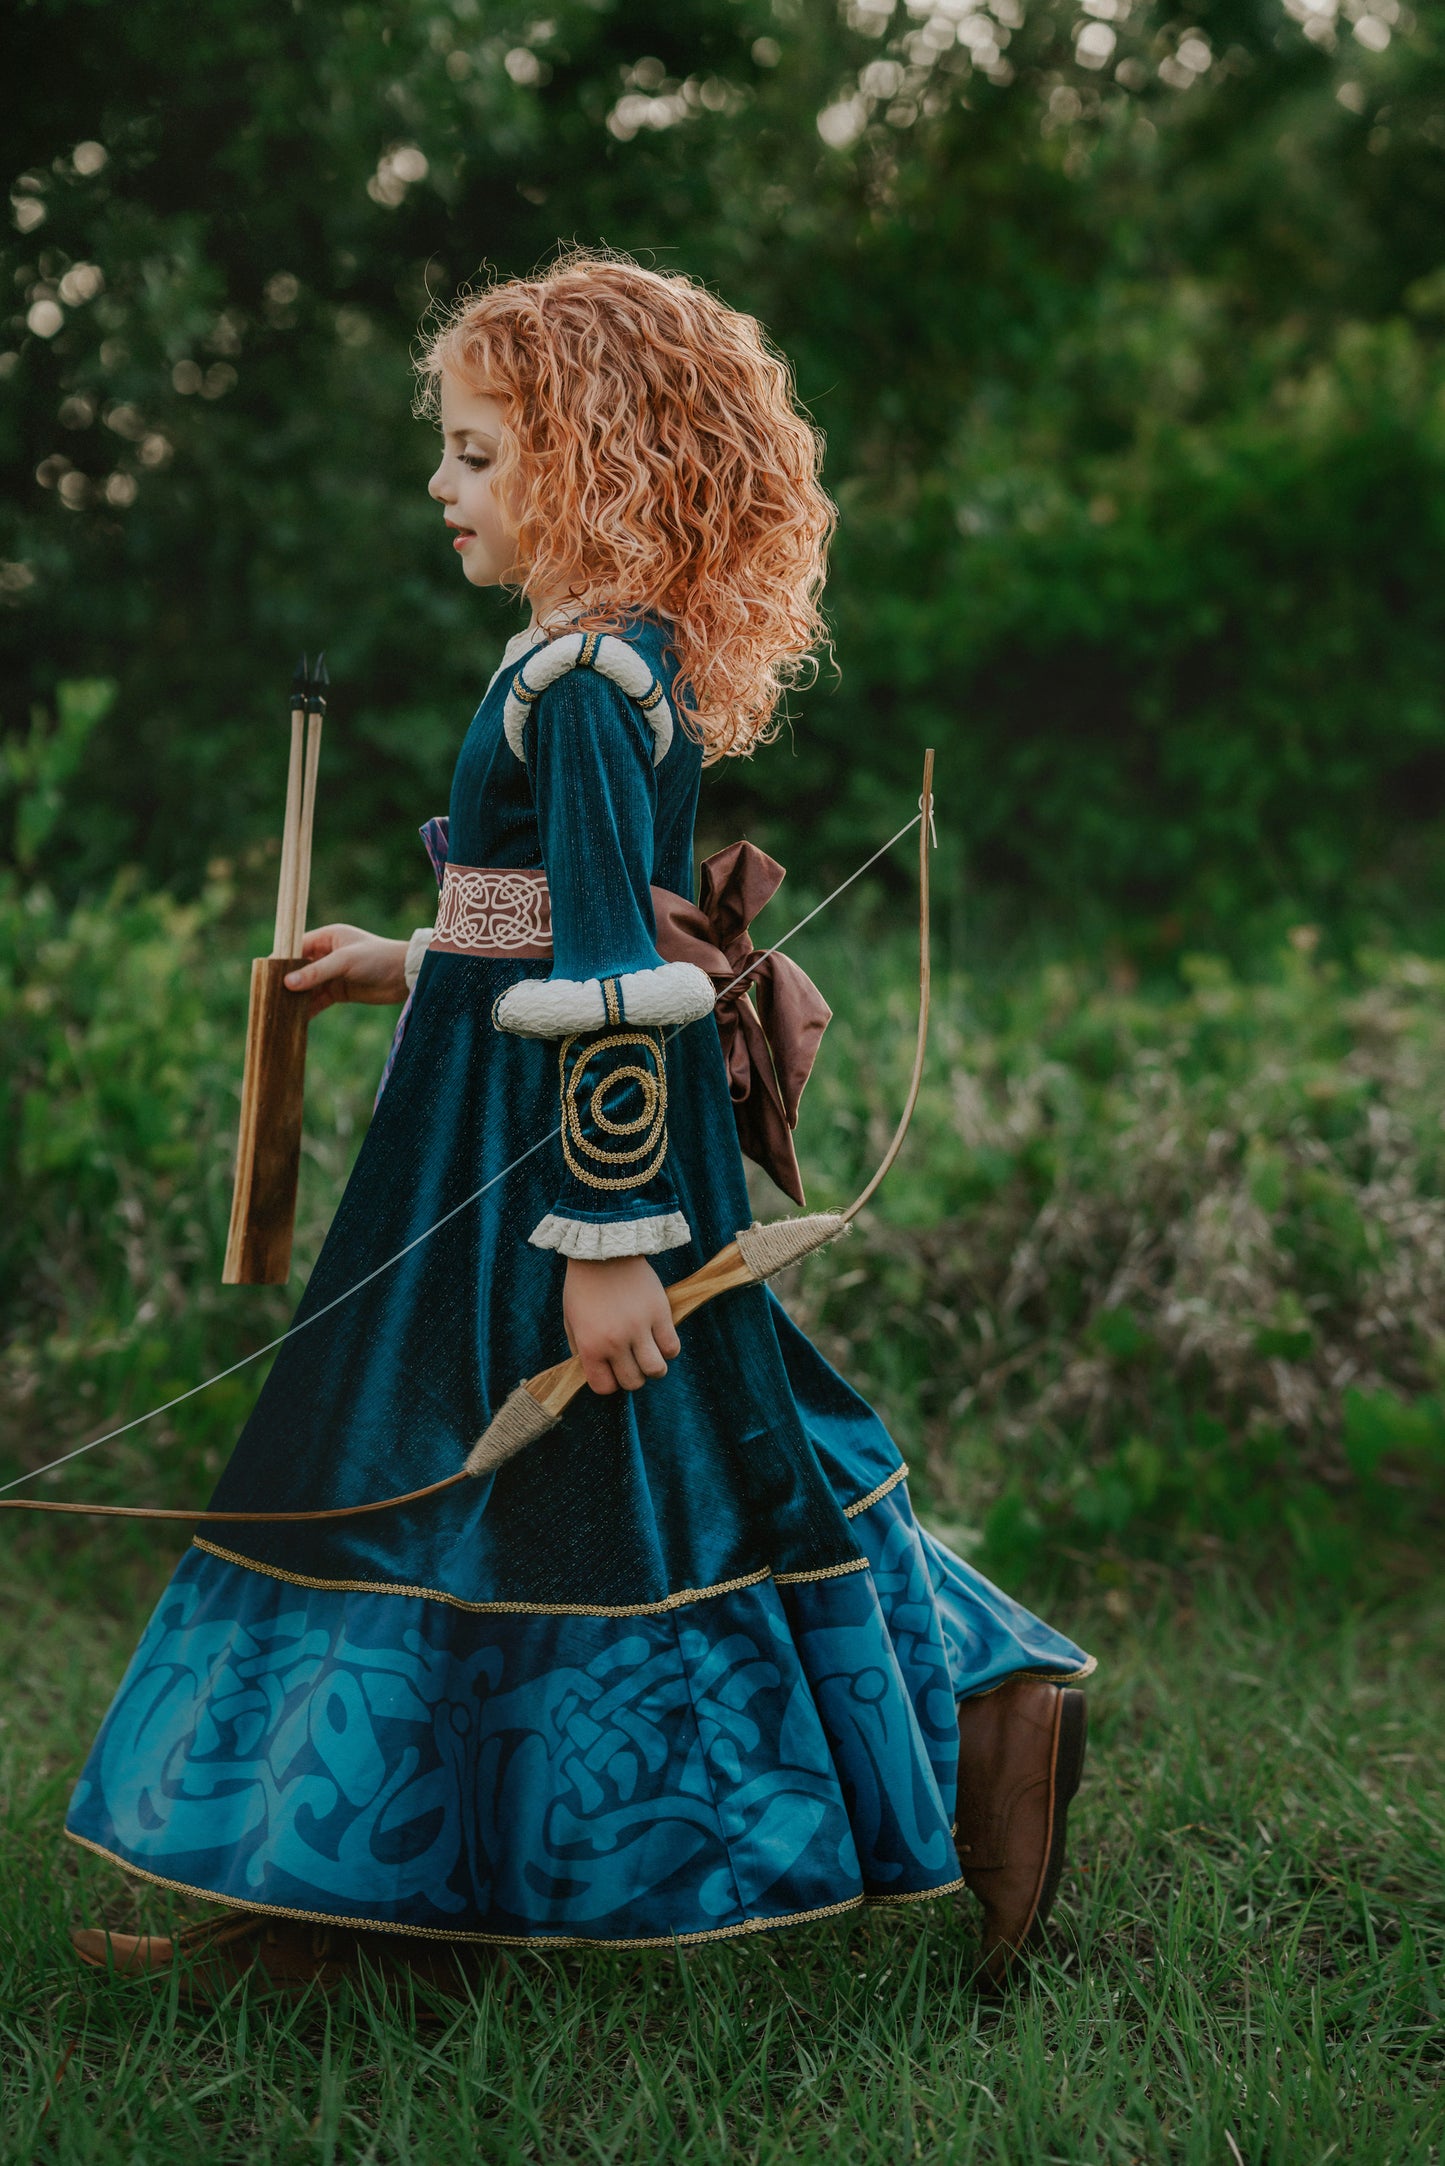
(611,1002)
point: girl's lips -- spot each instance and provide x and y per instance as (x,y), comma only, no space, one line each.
(463,536)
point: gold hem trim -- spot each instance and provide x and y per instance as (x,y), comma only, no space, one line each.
(919,1895)
(683,1598)
(874,1496)
(1043,1677)
(509,1940)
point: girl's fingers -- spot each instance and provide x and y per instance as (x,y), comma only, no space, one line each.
(333,964)
(626,1369)
(649,1356)
(668,1342)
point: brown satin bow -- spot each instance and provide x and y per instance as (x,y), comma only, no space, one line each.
(769,1047)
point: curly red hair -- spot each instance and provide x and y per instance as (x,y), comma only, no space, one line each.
(658,461)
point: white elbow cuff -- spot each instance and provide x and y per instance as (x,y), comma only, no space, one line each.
(560,1007)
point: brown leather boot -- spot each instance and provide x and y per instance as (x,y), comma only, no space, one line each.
(279,1955)
(129,1955)
(1021,1754)
(137,1955)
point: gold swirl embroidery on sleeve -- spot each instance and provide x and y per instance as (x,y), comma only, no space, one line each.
(583,1154)
(646,1082)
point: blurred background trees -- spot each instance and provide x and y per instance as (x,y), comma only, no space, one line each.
(1124,324)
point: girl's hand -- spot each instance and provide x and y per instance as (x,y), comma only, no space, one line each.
(618,1322)
(345,963)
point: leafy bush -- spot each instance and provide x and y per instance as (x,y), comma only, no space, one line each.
(123,1026)
(1157,674)
(1160,1271)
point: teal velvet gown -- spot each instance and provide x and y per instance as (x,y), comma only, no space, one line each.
(686,1667)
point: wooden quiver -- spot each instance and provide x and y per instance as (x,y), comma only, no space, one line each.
(268,1150)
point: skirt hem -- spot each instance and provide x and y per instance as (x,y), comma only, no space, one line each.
(1042,1676)
(518,1940)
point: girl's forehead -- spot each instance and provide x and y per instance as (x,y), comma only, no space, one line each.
(466,410)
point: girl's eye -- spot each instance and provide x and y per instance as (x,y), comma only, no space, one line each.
(476,460)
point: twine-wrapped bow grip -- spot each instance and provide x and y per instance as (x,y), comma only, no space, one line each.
(770,1040)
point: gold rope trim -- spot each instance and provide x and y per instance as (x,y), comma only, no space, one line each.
(647,1082)
(851,1511)
(1041,1677)
(575,1144)
(492,1939)
(829,1571)
(508,1940)
(919,1895)
(680,1600)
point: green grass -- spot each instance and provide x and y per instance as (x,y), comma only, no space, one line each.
(1247,1962)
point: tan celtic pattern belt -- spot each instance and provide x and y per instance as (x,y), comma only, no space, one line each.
(491,911)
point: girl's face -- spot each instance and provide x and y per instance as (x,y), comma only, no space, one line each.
(483,535)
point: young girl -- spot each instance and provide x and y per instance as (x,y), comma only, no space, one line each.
(688,1667)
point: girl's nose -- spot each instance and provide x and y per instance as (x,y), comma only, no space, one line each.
(438,488)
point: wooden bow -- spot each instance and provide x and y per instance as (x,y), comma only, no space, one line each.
(537,1405)
(268,1148)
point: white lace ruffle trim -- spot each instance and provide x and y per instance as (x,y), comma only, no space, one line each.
(416,949)
(556,1007)
(599,1243)
(613,658)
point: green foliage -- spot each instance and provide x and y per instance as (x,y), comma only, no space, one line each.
(1127,337)
(1168,1273)
(123,1024)
(36,770)
(1181,680)
(1161,1270)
